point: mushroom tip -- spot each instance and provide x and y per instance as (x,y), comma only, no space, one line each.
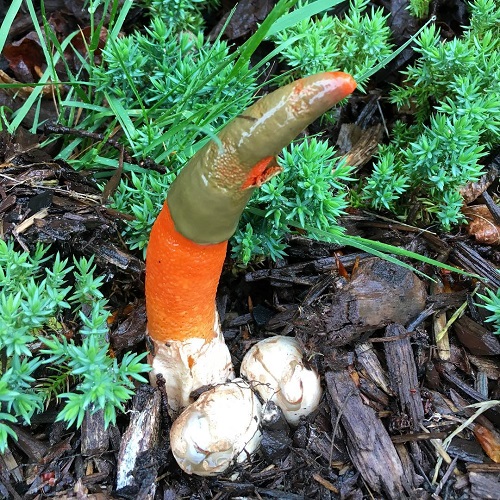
(342,83)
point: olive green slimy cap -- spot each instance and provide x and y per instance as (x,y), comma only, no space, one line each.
(206,199)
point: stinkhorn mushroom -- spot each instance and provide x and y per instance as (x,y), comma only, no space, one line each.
(187,246)
(278,372)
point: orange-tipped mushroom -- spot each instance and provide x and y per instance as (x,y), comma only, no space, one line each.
(188,241)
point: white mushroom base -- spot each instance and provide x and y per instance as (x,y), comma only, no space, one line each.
(189,365)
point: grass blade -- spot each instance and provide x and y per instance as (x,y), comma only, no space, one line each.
(249,47)
(122,115)
(7,22)
(363,77)
(125,8)
(382,250)
(305,12)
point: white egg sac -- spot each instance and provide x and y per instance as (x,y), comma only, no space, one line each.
(220,428)
(275,368)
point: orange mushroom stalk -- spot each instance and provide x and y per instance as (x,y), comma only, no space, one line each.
(188,241)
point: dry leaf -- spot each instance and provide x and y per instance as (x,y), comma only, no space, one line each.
(489,441)
(481,224)
(473,190)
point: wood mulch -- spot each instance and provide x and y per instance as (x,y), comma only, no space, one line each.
(401,357)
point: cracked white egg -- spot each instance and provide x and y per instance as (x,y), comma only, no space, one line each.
(220,428)
(276,370)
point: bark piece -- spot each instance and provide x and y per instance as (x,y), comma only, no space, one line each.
(439,322)
(108,253)
(447,372)
(141,436)
(132,329)
(378,294)
(95,437)
(276,441)
(408,466)
(465,256)
(484,485)
(416,436)
(403,374)
(476,338)
(489,366)
(295,273)
(454,377)
(369,443)
(489,439)
(319,443)
(487,467)
(80,491)
(474,190)
(368,359)
(32,447)
(9,468)
(466,450)
(493,207)
(58,449)
(359,144)
(377,397)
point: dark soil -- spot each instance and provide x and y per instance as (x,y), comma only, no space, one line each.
(392,394)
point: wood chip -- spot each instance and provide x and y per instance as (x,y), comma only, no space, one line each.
(489,366)
(403,374)
(474,190)
(465,256)
(141,436)
(360,143)
(374,455)
(478,340)
(439,322)
(489,439)
(484,485)
(325,483)
(21,228)
(95,437)
(34,448)
(378,294)
(369,360)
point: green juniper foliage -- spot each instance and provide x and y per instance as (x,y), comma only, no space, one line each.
(387,182)
(311,191)
(172,79)
(429,161)
(142,197)
(33,295)
(182,15)
(419,8)
(492,304)
(354,43)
